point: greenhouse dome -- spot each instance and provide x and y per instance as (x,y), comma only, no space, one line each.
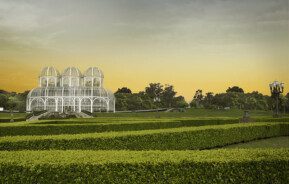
(71,77)
(71,91)
(49,71)
(93,77)
(49,77)
(72,72)
(93,72)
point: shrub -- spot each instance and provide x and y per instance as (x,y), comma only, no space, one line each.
(217,166)
(73,127)
(165,139)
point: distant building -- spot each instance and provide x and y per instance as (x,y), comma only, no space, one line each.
(71,91)
(1,109)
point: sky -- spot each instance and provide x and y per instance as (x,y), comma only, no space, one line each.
(190,44)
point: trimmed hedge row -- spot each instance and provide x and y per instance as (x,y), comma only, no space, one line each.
(55,129)
(7,120)
(215,166)
(164,139)
(89,126)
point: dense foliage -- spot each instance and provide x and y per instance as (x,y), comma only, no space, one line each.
(13,101)
(158,96)
(217,166)
(236,98)
(153,97)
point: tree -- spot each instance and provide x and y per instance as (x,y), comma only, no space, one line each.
(235,89)
(287,103)
(4,101)
(179,102)
(167,96)
(123,90)
(147,102)
(12,103)
(154,91)
(208,100)
(134,102)
(121,102)
(198,98)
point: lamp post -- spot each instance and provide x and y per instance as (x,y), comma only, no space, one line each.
(276,89)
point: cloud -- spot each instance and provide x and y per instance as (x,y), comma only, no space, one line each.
(23,24)
(44,23)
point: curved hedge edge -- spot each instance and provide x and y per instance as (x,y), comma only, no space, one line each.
(171,139)
(56,129)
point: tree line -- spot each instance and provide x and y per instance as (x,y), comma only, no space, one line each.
(235,97)
(156,96)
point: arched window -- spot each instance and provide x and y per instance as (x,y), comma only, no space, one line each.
(96,82)
(52,82)
(74,81)
(37,104)
(43,82)
(86,104)
(65,82)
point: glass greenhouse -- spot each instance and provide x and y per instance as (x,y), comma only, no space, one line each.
(71,91)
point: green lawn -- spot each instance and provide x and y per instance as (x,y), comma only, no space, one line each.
(276,142)
(191,113)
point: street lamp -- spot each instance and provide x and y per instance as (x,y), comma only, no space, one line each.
(276,89)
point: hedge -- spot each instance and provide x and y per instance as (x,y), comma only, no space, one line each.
(105,125)
(163,139)
(8,120)
(54,129)
(214,166)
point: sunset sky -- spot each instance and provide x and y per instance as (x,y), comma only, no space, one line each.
(191,44)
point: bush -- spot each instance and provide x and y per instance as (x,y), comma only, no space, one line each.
(217,166)
(57,115)
(6,120)
(97,125)
(73,127)
(165,139)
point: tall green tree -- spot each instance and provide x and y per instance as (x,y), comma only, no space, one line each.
(287,103)
(235,89)
(179,102)
(168,95)
(154,91)
(123,90)
(197,99)
(4,101)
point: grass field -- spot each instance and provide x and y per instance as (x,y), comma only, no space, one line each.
(145,148)
(188,113)
(191,113)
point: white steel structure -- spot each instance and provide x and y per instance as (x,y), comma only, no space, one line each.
(71,91)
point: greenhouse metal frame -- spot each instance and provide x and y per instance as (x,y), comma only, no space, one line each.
(71,91)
